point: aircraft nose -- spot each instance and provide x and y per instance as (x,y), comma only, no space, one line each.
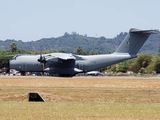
(11,64)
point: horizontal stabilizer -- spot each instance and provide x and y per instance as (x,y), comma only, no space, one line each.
(134,30)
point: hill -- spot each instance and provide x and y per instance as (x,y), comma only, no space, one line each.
(70,42)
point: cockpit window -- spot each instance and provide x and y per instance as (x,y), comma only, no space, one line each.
(14,57)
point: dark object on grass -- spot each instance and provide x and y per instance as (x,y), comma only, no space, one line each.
(35,97)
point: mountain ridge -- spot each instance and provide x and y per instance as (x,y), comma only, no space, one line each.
(70,42)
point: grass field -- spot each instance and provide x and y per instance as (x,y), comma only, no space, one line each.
(79,98)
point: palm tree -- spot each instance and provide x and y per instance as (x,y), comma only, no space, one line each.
(13,47)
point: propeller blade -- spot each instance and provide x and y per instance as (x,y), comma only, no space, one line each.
(41,59)
(43,66)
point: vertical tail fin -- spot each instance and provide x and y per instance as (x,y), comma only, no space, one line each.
(134,41)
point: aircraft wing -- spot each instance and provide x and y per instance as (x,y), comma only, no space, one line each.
(63,56)
(60,63)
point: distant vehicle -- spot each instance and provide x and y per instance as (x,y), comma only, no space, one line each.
(13,72)
(93,73)
(67,64)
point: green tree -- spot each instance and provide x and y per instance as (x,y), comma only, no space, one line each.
(14,47)
(66,34)
(80,51)
(142,70)
(5,56)
(142,61)
(155,65)
(44,51)
(121,67)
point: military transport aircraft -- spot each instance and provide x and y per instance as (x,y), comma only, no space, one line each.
(67,64)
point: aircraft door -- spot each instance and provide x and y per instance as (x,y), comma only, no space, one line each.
(24,67)
(80,66)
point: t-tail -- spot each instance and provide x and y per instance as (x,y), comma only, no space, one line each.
(134,41)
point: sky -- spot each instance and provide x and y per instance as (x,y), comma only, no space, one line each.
(31,20)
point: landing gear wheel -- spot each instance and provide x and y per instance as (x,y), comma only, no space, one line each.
(23,73)
(66,75)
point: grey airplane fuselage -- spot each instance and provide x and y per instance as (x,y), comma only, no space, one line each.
(94,62)
(29,63)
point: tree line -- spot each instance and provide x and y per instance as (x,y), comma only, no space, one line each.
(144,63)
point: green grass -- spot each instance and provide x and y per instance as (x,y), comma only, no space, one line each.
(82,94)
(79,111)
(80,98)
(80,104)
